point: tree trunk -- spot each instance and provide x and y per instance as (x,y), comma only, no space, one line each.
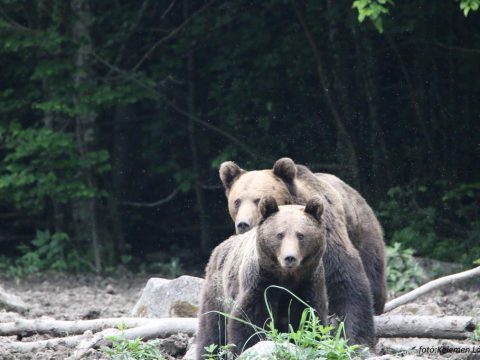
(380,175)
(56,221)
(119,163)
(84,210)
(344,141)
(199,194)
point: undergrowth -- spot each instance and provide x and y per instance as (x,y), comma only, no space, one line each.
(403,271)
(125,349)
(438,220)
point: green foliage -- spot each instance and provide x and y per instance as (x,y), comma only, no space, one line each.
(403,271)
(313,341)
(469,5)
(476,334)
(432,219)
(47,252)
(43,164)
(214,351)
(124,349)
(373,10)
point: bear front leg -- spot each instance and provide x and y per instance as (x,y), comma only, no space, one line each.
(250,308)
(349,295)
(211,325)
(315,294)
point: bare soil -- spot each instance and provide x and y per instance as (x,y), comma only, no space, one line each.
(73,297)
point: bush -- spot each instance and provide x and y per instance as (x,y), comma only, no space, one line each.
(439,221)
(47,252)
(403,271)
(42,164)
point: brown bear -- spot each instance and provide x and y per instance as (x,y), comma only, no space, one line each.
(286,250)
(353,222)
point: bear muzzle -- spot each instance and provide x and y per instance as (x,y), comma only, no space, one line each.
(242,227)
(289,261)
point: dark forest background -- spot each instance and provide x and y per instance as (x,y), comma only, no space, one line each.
(115,115)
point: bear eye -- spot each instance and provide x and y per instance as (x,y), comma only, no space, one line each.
(236,203)
(279,236)
(256,201)
(300,236)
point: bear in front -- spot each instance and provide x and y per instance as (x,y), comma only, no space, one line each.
(355,257)
(286,250)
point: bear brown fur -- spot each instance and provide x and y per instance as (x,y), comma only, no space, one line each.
(286,250)
(352,221)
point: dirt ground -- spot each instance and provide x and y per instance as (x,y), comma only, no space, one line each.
(72,297)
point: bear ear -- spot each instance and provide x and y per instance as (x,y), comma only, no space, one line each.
(285,169)
(314,207)
(228,172)
(267,206)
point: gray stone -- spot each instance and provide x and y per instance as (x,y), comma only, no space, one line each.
(264,350)
(162,298)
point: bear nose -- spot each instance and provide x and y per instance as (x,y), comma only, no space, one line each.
(243,226)
(290,260)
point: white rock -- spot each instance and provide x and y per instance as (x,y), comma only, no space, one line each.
(263,350)
(169,298)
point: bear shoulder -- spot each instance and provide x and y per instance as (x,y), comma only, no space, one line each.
(233,264)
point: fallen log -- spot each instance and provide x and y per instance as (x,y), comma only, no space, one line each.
(25,327)
(430,286)
(444,327)
(145,332)
(11,302)
(157,328)
(404,326)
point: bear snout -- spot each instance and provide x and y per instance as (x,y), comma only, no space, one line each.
(242,227)
(289,261)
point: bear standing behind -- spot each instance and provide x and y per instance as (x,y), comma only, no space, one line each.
(286,249)
(290,183)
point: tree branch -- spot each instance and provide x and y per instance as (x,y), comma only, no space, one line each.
(456,48)
(167,11)
(430,286)
(152,204)
(172,34)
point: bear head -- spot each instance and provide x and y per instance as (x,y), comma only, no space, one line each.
(290,239)
(244,189)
